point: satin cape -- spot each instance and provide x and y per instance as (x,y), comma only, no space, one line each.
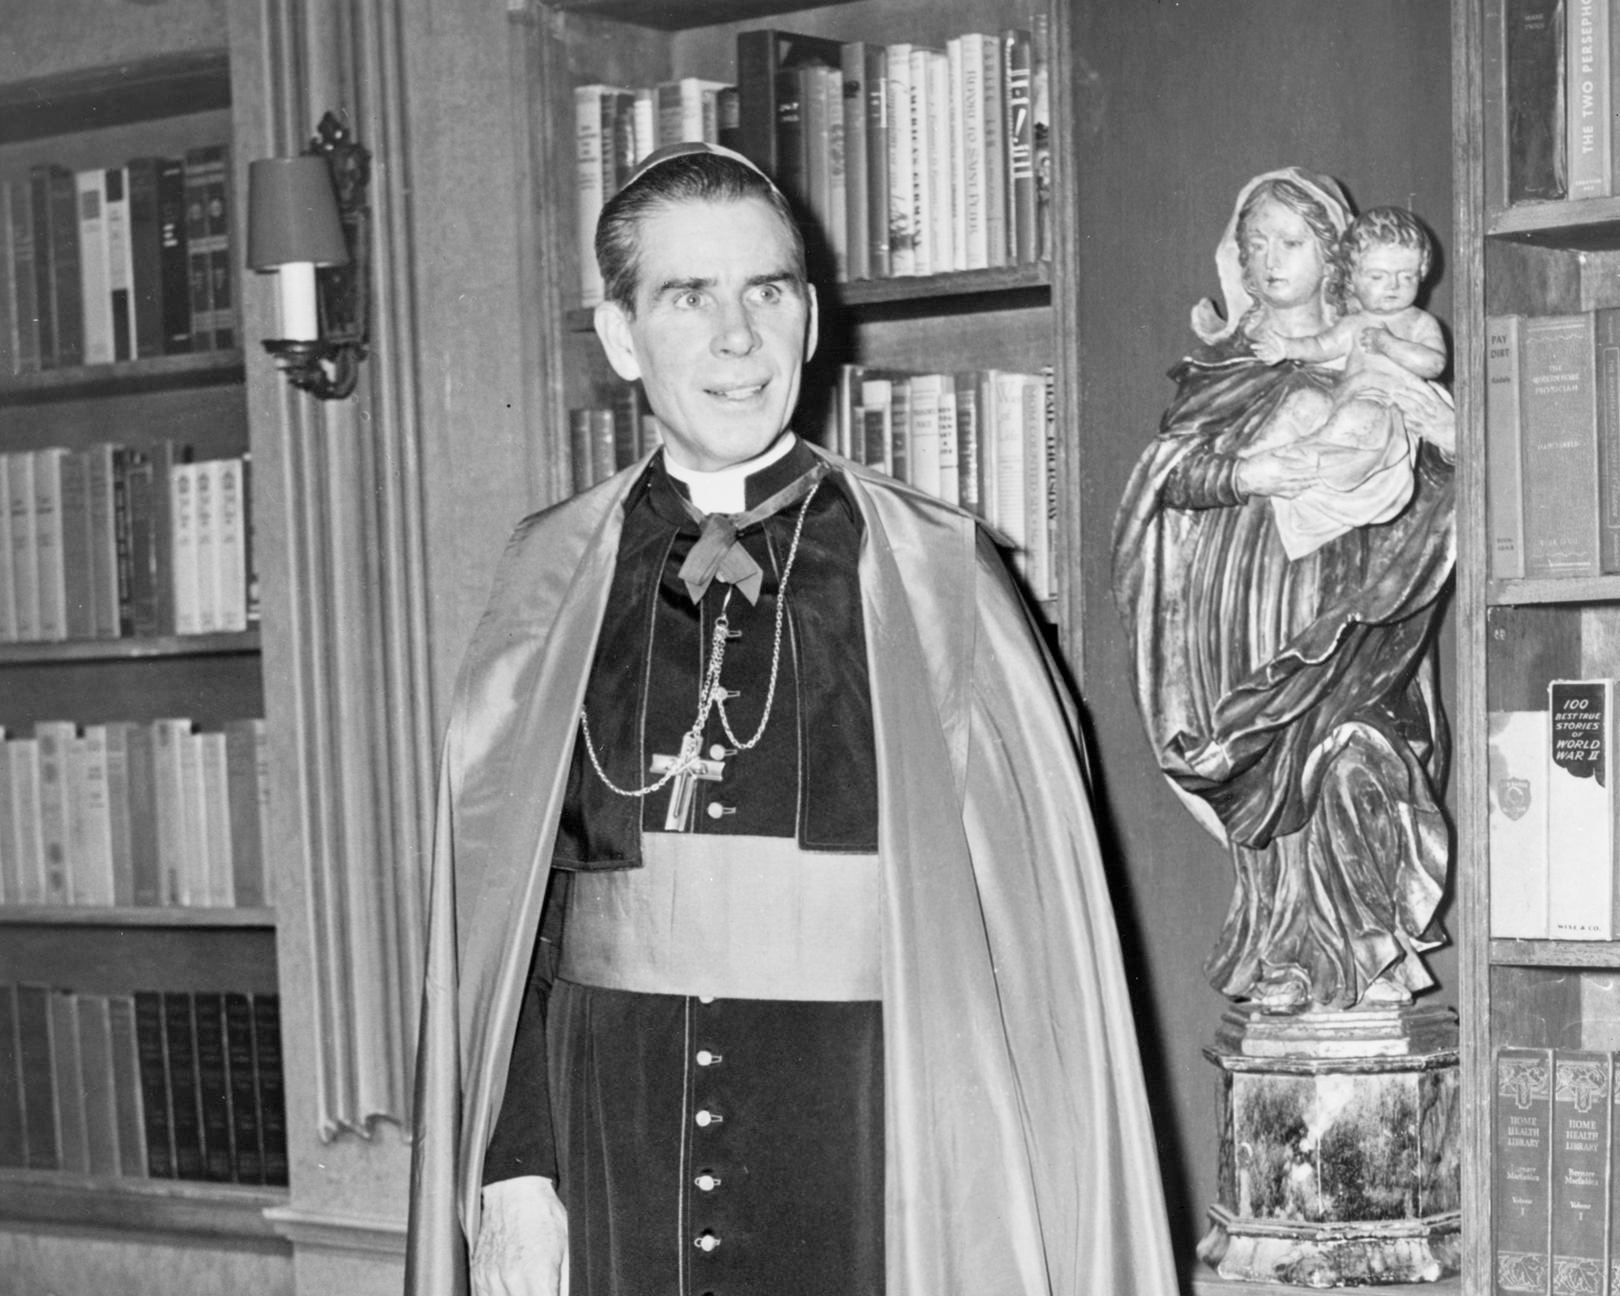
(1019,1151)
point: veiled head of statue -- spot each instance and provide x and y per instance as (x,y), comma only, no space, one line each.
(687,172)
(1313,201)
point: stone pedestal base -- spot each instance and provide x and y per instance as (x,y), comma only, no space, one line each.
(1339,1147)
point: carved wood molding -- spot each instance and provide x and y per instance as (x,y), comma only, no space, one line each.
(346,649)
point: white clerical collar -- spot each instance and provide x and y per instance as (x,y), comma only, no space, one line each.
(725,490)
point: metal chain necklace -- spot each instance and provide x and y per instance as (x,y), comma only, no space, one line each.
(711,696)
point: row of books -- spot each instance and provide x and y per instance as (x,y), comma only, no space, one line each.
(116,541)
(907,160)
(1555,1229)
(126,813)
(160,1085)
(602,439)
(116,263)
(983,439)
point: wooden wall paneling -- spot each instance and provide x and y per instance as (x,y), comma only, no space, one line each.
(1469,781)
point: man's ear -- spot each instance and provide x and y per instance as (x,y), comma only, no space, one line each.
(613,330)
(812,332)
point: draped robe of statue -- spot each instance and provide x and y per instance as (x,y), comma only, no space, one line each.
(1019,1155)
(1291,705)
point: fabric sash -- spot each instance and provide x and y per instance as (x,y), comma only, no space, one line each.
(734,917)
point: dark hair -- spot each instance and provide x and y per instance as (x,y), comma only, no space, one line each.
(689,177)
(1305,205)
(1383,226)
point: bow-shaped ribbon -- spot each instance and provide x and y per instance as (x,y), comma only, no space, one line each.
(718,556)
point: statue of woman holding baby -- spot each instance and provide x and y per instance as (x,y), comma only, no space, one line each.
(1290,696)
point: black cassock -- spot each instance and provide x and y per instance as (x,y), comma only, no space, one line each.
(727,1145)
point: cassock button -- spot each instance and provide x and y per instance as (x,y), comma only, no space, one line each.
(706,1240)
(705,999)
(718,811)
(706,1118)
(706,1182)
(707,1057)
(719,752)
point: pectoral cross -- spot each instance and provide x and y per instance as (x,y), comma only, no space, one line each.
(683,786)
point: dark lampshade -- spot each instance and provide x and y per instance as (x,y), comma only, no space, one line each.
(293,214)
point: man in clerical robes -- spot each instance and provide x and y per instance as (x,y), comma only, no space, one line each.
(770,947)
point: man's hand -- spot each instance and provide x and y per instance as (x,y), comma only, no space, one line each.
(522,1247)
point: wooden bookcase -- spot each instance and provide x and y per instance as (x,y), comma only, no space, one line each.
(104,116)
(1006,317)
(1542,993)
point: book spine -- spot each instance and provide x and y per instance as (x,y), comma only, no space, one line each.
(1535,99)
(756,97)
(950,471)
(956,95)
(13,1122)
(95,288)
(996,164)
(792,139)
(39,208)
(728,118)
(174,234)
(1521,1168)
(199,168)
(244,756)
(579,448)
(857,231)
(151,1045)
(219,864)
(22,755)
(133,1155)
(8,581)
(241,1067)
(36,1066)
(1040,127)
(51,575)
(968,434)
(9,317)
(146,863)
(1516,815)
(24,544)
(1023,241)
(939,166)
(24,281)
(230,545)
(185,1099)
(1606,330)
(1580,1171)
(877,162)
(213,1087)
(1580,809)
(879,435)
(221,269)
(54,738)
(182,482)
(900,429)
(120,262)
(588,152)
(1586,98)
(1559,463)
(67,290)
(145,256)
(73,503)
(100,1099)
(923,443)
(102,538)
(11,886)
(975,231)
(923,185)
(67,1069)
(204,531)
(902,200)
(92,864)
(118,820)
(832,83)
(272,1094)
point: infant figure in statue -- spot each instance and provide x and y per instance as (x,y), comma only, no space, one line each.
(1384,340)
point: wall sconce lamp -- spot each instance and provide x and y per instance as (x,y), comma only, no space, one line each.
(309,222)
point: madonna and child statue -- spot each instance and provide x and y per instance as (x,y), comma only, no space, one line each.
(1281,557)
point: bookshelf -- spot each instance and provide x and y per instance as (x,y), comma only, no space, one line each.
(1529,992)
(1004,316)
(135,104)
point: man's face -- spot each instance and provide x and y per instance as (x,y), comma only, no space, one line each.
(721,330)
